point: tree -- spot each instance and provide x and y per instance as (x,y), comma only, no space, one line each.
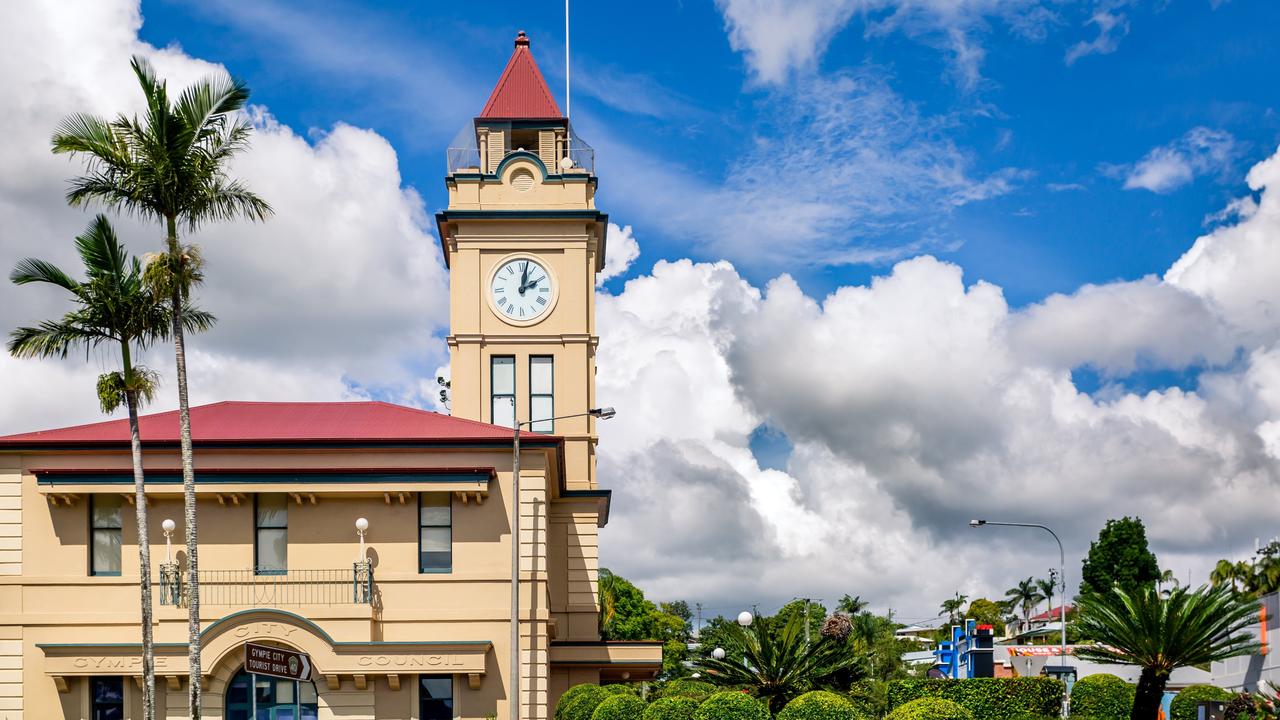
(1120,556)
(113,308)
(951,607)
(987,612)
(1047,586)
(625,614)
(1160,634)
(777,664)
(852,605)
(170,166)
(1024,595)
(1230,573)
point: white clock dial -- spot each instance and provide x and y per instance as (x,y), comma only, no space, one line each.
(522,289)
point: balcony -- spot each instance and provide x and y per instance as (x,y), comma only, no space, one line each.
(288,588)
(464,153)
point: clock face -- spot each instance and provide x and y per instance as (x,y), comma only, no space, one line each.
(522,290)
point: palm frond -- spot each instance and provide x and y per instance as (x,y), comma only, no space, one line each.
(52,338)
(225,199)
(32,270)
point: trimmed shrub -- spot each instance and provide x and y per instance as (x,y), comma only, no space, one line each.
(622,689)
(1242,707)
(987,698)
(1101,697)
(621,706)
(694,689)
(870,698)
(580,701)
(671,708)
(731,706)
(1185,702)
(820,705)
(930,708)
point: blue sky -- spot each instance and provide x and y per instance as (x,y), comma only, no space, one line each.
(947,223)
(666,84)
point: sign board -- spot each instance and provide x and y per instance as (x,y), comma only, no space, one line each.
(276,662)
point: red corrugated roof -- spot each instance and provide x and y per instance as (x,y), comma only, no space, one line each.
(1053,614)
(232,422)
(521,92)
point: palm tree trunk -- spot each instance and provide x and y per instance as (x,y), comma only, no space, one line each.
(188,487)
(144,545)
(1149,695)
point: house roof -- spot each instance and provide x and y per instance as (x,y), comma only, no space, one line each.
(1054,614)
(521,92)
(279,422)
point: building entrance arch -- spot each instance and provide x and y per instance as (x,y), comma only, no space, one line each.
(258,697)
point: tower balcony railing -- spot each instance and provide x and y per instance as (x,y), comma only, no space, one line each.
(270,588)
(467,159)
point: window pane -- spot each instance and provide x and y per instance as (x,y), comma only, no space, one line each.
(542,412)
(540,381)
(108,690)
(435,509)
(504,376)
(436,698)
(307,693)
(106,552)
(273,552)
(436,549)
(284,691)
(504,412)
(273,510)
(106,511)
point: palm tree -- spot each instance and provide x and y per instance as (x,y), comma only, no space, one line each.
(113,308)
(170,166)
(778,666)
(1161,634)
(1046,586)
(951,607)
(1026,596)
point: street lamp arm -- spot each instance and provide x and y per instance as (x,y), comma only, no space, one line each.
(602,413)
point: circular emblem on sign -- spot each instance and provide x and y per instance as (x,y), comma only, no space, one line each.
(293,665)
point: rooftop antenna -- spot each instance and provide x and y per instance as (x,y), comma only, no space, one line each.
(566,59)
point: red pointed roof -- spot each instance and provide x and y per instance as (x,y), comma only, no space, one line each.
(236,422)
(521,92)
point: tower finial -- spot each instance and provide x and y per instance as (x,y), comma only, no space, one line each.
(522,39)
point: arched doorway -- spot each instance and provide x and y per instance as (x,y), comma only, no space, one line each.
(258,697)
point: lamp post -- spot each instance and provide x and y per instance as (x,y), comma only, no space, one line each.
(1062,575)
(603,413)
(168,526)
(362,526)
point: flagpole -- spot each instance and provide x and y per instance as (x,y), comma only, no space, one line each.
(566,59)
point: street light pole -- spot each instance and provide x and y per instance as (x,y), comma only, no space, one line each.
(1062,574)
(603,413)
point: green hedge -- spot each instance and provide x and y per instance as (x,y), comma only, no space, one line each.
(820,705)
(987,698)
(695,689)
(870,698)
(930,708)
(1101,697)
(671,708)
(621,706)
(580,702)
(731,706)
(1185,702)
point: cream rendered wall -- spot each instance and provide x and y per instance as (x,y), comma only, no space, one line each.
(57,602)
(564,545)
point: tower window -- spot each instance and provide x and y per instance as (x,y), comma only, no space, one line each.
(541,388)
(105,518)
(271,534)
(435,532)
(502,381)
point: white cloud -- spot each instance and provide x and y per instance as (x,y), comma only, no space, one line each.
(916,402)
(779,37)
(338,295)
(1166,168)
(622,250)
(1111,27)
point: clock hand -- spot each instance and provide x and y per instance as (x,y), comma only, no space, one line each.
(524,278)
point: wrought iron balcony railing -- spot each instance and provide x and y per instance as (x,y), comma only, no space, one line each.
(249,588)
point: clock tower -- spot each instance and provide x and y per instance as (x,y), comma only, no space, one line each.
(523,242)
